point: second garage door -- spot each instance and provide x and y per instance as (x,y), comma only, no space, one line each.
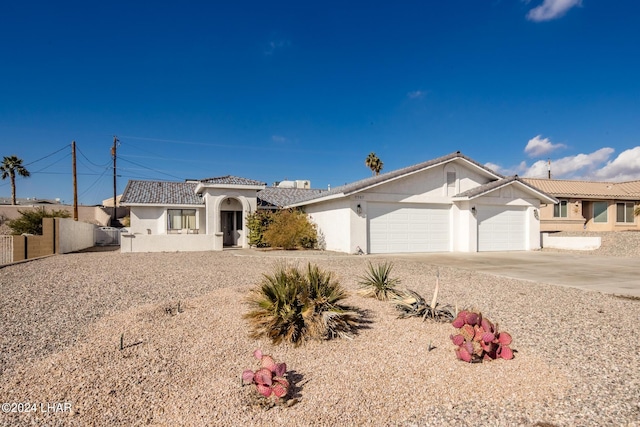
(403,228)
(501,228)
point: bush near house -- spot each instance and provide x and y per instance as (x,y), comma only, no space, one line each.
(257,223)
(30,221)
(287,229)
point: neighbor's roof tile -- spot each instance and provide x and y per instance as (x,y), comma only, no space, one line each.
(587,189)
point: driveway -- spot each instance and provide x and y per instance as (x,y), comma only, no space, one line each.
(595,273)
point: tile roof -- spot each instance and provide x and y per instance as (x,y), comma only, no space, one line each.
(279,197)
(368,182)
(161,192)
(587,189)
(231,180)
(490,186)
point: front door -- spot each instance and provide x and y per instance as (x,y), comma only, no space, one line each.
(231,226)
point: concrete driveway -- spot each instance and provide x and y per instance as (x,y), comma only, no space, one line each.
(612,275)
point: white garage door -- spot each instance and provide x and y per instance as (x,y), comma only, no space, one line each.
(501,228)
(401,227)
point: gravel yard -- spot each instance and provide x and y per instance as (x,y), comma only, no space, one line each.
(62,318)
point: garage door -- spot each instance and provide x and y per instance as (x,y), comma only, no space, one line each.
(501,228)
(401,227)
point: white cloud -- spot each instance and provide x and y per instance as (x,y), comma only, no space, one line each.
(515,170)
(551,9)
(276,45)
(416,94)
(625,167)
(571,167)
(539,146)
(278,138)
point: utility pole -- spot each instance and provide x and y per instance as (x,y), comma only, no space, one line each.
(113,154)
(75,181)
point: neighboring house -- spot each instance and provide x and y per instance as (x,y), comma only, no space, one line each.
(588,205)
(449,204)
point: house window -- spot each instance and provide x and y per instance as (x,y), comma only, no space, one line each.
(624,212)
(181,219)
(560,209)
(451,183)
(238,220)
(600,212)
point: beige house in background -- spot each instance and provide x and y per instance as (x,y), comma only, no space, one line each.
(588,205)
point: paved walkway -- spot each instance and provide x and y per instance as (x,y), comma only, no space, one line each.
(612,275)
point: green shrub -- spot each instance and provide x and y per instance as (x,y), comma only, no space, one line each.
(291,305)
(30,221)
(378,283)
(290,229)
(257,223)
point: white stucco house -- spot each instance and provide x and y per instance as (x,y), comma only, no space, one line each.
(448,204)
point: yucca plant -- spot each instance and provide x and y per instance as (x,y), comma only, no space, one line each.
(378,283)
(291,305)
(411,304)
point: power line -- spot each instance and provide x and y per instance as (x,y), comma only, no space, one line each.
(151,169)
(94,183)
(94,164)
(56,162)
(48,155)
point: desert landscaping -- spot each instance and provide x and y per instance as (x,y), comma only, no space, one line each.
(159,339)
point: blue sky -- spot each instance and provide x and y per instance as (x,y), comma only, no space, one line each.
(305,90)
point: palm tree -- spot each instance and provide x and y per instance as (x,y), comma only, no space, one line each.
(9,167)
(374,163)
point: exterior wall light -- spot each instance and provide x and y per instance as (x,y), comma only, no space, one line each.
(359,209)
(473,210)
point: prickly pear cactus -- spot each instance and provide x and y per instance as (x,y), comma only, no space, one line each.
(269,379)
(477,339)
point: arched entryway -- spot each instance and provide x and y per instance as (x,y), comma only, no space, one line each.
(231,221)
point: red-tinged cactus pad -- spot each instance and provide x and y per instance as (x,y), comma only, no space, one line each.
(280,369)
(279,390)
(463,354)
(487,325)
(457,339)
(282,381)
(268,362)
(472,318)
(247,376)
(257,353)
(458,322)
(505,352)
(488,337)
(478,333)
(263,376)
(504,338)
(264,390)
(467,332)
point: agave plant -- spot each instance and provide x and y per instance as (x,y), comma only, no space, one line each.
(269,379)
(291,305)
(477,339)
(378,283)
(411,304)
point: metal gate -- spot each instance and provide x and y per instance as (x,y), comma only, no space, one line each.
(107,236)
(6,250)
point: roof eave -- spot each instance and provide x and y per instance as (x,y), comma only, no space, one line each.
(318,200)
(164,205)
(202,185)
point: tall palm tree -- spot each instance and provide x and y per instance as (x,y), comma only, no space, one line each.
(9,167)
(374,163)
